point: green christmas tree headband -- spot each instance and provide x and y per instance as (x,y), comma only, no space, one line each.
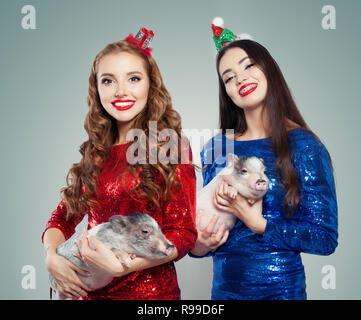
(222,36)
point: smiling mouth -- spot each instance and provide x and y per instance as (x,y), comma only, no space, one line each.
(247,89)
(123,105)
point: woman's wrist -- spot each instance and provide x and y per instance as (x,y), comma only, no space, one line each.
(119,274)
(199,249)
(258,226)
(50,250)
(50,258)
(122,269)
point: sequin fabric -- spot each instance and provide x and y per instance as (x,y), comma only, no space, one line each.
(176,218)
(250,266)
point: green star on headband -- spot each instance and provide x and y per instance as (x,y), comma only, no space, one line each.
(222,36)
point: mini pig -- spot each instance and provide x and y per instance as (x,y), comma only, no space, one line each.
(137,233)
(244,175)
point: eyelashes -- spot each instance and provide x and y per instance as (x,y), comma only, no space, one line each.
(228,79)
(249,66)
(232,77)
(134,79)
(108,81)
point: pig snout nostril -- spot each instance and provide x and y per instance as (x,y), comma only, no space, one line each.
(169,250)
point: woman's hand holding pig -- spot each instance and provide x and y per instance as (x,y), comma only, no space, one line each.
(65,275)
(208,241)
(97,256)
(250,212)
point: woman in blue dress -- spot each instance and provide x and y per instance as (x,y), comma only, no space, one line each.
(260,257)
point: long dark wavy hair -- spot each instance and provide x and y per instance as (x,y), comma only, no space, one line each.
(280,106)
(102,132)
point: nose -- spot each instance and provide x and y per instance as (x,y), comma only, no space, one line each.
(240,76)
(120,90)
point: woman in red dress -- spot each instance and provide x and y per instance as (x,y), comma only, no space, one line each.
(126,96)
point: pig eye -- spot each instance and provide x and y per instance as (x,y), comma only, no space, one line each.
(145,231)
(244,171)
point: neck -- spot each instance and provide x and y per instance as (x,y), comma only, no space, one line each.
(257,123)
(123,128)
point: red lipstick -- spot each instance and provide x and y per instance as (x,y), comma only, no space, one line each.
(247,88)
(123,105)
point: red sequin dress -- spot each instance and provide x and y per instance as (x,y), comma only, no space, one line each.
(175,217)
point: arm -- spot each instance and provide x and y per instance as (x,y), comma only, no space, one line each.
(139,263)
(207,242)
(179,213)
(64,272)
(58,221)
(313,228)
(52,238)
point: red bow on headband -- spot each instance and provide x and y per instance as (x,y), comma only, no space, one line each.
(142,41)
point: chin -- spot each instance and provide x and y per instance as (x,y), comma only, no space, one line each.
(125,116)
(124,119)
(252,104)
(250,107)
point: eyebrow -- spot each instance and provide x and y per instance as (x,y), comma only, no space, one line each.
(112,75)
(239,62)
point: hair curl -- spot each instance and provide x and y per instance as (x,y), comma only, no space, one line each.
(102,132)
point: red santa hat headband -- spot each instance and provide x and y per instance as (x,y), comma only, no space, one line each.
(142,41)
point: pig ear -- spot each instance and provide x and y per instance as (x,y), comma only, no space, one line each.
(231,159)
(118,223)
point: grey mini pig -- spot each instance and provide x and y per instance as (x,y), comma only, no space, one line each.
(137,233)
(244,175)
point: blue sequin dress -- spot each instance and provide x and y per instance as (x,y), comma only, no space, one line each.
(251,266)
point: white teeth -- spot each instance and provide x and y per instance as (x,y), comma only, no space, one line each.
(123,104)
(244,90)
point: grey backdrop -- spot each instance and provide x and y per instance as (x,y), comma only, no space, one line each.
(44,81)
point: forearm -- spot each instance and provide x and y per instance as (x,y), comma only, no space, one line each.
(53,237)
(300,236)
(253,219)
(140,263)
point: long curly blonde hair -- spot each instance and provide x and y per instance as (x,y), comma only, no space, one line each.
(102,132)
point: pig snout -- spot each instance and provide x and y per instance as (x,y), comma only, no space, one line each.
(261,185)
(169,250)
(163,248)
